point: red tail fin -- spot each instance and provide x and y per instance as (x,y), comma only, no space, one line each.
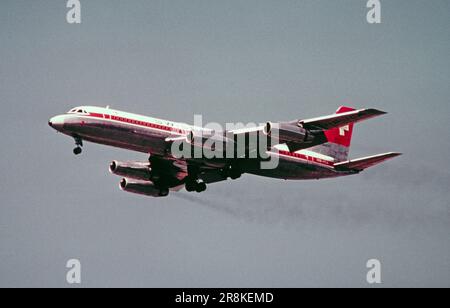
(341,135)
(339,140)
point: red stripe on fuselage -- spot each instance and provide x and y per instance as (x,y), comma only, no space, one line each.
(307,158)
(139,122)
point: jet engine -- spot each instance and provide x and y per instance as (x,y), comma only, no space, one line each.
(209,140)
(295,136)
(131,170)
(146,188)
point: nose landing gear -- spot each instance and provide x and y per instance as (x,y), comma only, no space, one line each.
(79,144)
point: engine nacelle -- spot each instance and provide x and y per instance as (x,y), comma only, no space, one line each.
(293,135)
(208,140)
(287,132)
(132,170)
(145,188)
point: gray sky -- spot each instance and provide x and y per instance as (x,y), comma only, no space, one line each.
(237,61)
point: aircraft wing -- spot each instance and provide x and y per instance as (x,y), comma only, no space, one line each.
(303,134)
(340,119)
(325,122)
(247,138)
(208,174)
(365,162)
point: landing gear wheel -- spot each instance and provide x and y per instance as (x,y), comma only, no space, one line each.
(195,185)
(235,173)
(163,192)
(201,187)
(79,144)
(190,186)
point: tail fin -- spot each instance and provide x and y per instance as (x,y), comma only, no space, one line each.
(339,140)
(341,135)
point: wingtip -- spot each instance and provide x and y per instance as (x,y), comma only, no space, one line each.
(377,111)
(393,154)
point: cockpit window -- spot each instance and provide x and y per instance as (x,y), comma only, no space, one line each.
(78,110)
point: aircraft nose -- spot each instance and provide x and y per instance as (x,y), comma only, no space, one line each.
(56,122)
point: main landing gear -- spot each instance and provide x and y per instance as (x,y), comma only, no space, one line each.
(79,144)
(163,192)
(233,172)
(193,183)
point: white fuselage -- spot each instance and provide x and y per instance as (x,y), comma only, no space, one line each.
(148,135)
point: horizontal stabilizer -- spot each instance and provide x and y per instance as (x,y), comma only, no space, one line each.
(360,164)
(340,119)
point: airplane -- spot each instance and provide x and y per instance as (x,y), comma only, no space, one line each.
(307,149)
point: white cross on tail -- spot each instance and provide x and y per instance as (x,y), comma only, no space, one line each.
(343,129)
